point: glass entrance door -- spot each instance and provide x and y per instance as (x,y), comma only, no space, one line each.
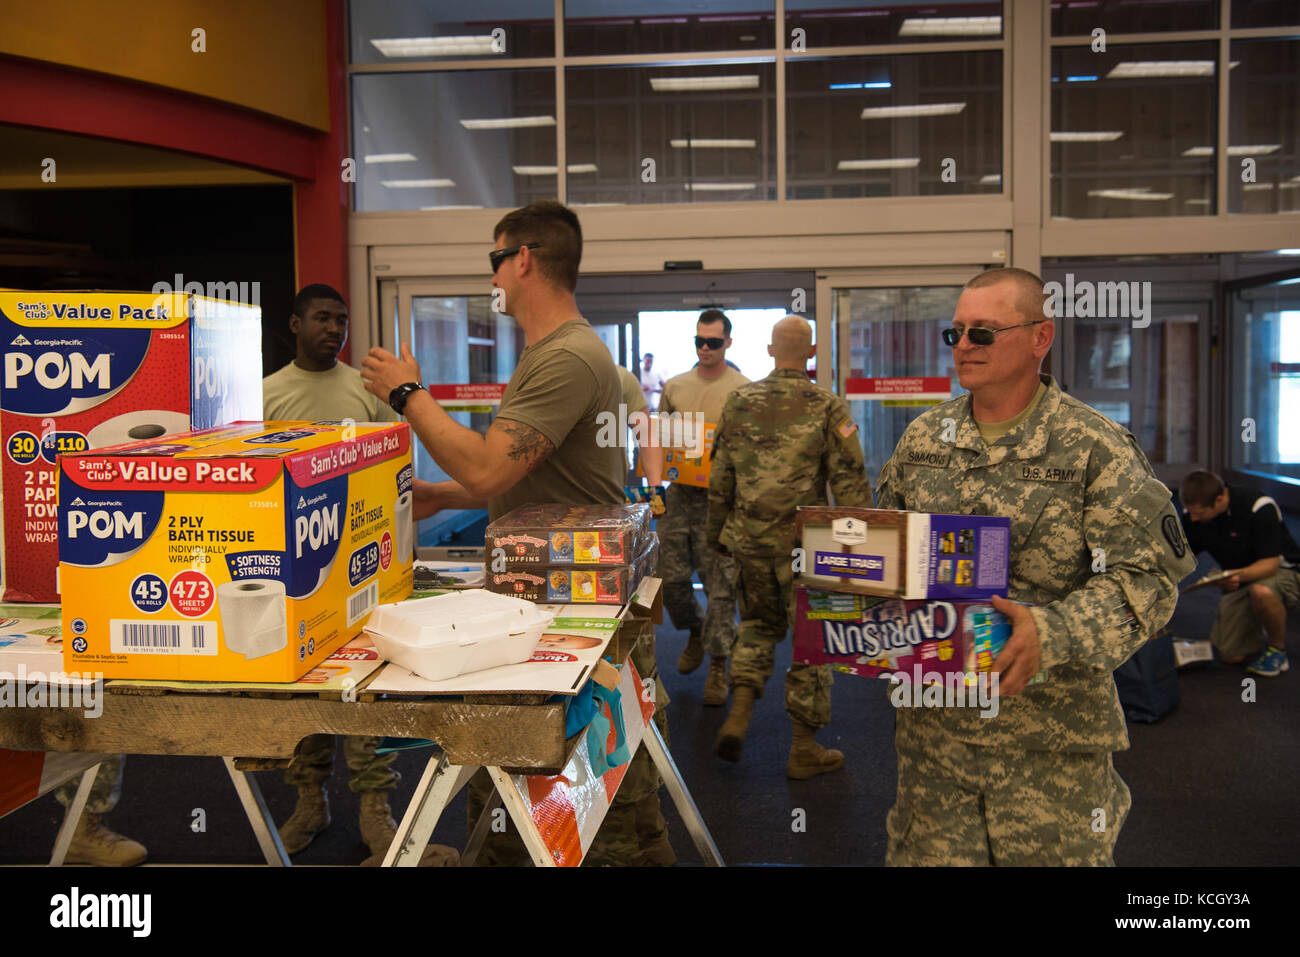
(458,340)
(891,364)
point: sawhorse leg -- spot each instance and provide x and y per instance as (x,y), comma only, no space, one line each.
(73,817)
(481,829)
(514,802)
(250,796)
(439,784)
(685,804)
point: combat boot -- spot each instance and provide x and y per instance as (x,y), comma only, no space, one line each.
(732,733)
(309,818)
(93,843)
(715,686)
(378,830)
(808,758)
(692,655)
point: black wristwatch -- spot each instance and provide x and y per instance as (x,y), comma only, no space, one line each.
(397,398)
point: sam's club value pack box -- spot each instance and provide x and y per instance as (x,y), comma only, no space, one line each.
(249,552)
(83,370)
(911,555)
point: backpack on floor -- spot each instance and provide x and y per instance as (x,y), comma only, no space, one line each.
(1148,682)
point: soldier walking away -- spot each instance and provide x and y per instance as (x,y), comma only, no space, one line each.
(781,441)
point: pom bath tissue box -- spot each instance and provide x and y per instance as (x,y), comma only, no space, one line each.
(247,552)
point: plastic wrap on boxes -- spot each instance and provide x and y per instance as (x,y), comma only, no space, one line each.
(537,535)
(568,584)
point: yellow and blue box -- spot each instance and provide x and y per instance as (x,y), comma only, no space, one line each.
(248,552)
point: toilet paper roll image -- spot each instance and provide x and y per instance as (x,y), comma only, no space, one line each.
(136,426)
(253,619)
(404,519)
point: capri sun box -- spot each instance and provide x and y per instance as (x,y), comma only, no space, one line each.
(84,370)
(910,555)
(248,552)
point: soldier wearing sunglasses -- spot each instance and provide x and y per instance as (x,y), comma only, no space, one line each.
(1096,556)
(684,546)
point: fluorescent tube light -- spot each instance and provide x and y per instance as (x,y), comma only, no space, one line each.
(508,123)
(1094,136)
(437,46)
(1146,69)
(389,158)
(951,27)
(683,84)
(695,144)
(908,162)
(919,109)
(415,183)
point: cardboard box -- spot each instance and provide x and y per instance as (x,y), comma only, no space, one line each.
(243,553)
(912,555)
(869,636)
(533,536)
(605,585)
(84,370)
(688,448)
(31,637)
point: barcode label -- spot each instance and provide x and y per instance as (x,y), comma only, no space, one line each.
(363,603)
(162,637)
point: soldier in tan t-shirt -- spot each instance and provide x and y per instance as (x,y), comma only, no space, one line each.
(683,545)
(544,445)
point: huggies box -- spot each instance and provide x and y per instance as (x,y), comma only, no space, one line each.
(83,370)
(248,552)
(911,555)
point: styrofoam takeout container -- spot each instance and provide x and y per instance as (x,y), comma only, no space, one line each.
(449,635)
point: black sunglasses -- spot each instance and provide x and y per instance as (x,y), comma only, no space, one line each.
(713,343)
(979,335)
(498,256)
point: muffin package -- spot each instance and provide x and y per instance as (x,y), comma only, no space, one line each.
(535,535)
(570,584)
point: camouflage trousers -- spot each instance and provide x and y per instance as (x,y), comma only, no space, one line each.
(765,588)
(104,793)
(313,761)
(683,549)
(634,820)
(961,804)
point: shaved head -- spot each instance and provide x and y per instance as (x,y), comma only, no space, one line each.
(791,340)
(1029,297)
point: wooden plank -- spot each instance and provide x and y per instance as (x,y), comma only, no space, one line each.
(513,735)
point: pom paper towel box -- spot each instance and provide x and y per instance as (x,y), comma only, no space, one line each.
(912,555)
(83,370)
(248,552)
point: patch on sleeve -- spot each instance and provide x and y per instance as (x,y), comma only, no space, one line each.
(847,429)
(1174,535)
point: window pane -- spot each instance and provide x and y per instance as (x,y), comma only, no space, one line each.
(1266,378)
(1172,384)
(895,333)
(887,126)
(676,134)
(457,340)
(1081,17)
(1102,355)
(1133,131)
(483,138)
(608,27)
(399,31)
(826,23)
(1265,13)
(1264,125)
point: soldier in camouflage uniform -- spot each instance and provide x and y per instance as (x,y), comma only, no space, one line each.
(682,546)
(92,842)
(1096,552)
(779,443)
